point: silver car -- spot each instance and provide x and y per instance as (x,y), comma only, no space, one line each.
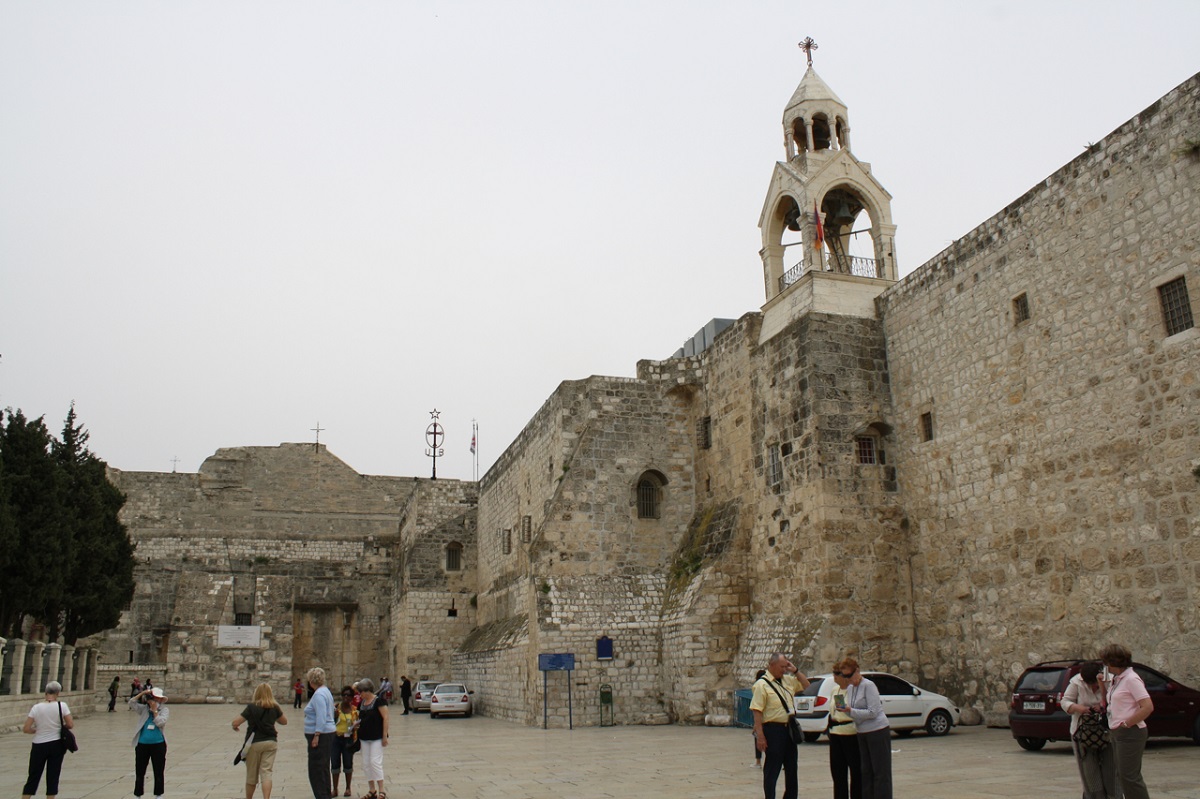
(450,697)
(421,694)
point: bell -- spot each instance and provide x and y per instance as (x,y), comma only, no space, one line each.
(841,215)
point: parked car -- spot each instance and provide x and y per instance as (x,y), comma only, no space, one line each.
(450,697)
(422,691)
(907,707)
(1034,716)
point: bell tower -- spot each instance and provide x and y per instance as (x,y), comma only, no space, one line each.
(825,214)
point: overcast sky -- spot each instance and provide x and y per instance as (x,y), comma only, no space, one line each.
(224,222)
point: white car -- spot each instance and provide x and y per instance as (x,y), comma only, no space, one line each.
(421,694)
(907,707)
(450,697)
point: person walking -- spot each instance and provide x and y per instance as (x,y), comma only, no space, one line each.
(1129,705)
(319,728)
(45,723)
(1084,699)
(346,729)
(149,740)
(845,764)
(113,688)
(865,706)
(372,736)
(772,706)
(261,715)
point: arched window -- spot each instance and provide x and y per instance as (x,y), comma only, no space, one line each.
(454,552)
(650,494)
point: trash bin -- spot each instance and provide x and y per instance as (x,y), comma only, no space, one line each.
(606,705)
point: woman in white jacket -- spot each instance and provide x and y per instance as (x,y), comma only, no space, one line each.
(1097,765)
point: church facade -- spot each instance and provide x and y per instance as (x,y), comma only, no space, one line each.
(992,462)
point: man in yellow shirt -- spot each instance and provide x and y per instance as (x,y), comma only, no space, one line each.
(772,704)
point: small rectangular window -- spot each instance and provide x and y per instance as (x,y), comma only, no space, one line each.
(1020,309)
(774,467)
(526,529)
(704,433)
(927,426)
(507,545)
(454,557)
(1176,307)
(243,619)
(865,449)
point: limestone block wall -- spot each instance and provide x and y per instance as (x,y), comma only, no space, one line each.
(494,662)
(1055,506)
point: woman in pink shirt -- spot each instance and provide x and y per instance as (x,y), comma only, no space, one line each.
(1129,706)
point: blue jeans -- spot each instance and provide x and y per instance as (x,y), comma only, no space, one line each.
(341,758)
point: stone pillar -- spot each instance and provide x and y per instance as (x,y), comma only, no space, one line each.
(93,663)
(846,136)
(53,661)
(68,668)
(17,664)
(808,135)
(36,664)
(789,144)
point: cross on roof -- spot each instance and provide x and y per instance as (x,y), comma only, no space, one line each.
(317,430)
(808,45)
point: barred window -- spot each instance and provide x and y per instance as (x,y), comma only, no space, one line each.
(243,619)
(1176,307)
(865,449)
(927,426)
(507,542)
(454,557)
(526,529)
(704,433)
(774,466)
(1020,309)
(649,498)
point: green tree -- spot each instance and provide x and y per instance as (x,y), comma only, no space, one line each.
(34,571)
(100,578)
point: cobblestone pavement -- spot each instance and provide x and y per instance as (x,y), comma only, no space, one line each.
(481,758)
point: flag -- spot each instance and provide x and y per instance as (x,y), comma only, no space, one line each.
(472,443)
(820,227)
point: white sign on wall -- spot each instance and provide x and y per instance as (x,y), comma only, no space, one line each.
(246,637)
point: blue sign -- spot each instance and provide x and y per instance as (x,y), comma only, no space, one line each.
(557,662)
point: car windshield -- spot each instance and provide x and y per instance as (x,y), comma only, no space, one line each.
(426,686)
(814,686)
(450,688)
(1041,680)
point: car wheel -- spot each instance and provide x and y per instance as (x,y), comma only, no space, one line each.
(902,733)
(468,713)
(432,715)
(1031,744)
(939,723)
(1196,731)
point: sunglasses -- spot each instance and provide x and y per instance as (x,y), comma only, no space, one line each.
(847,676)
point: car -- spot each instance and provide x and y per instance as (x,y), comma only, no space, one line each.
(450,697)
(907,707)
(421,693)
(1035,718)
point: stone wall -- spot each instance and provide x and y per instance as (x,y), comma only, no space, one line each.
(1056,505)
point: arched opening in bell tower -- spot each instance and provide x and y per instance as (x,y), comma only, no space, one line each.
(850,233)
(822,137)
(789,222)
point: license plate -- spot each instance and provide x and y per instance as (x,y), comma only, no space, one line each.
(1035,705)
(803,705)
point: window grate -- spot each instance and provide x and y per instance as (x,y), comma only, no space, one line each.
(1020,309)
(774,467)
(704,433)
(507,543)
(647,499)
(865,449)
(1176,307)
(526,529)
(927,426)
(454,557)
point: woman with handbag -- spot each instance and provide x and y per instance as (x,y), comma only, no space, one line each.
(345,742)
(372,736)
(864,705)
(1084,701)
(260,716)
(46,722)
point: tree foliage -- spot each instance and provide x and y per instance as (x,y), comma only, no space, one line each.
(66,561)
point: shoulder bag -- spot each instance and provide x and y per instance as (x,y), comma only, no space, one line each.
(793,725)
(68,737)
(1092,732)
(246,744)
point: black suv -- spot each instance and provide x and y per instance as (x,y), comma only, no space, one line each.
(1035,717)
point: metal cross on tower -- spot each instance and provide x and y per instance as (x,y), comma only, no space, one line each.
(808,45)
(434,436)
(317,443)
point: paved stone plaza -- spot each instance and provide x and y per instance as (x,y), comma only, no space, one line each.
(483,758)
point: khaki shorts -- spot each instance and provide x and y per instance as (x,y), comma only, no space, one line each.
(260,761)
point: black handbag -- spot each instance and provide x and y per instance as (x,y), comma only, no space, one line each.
(68,738)
(1092,733)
